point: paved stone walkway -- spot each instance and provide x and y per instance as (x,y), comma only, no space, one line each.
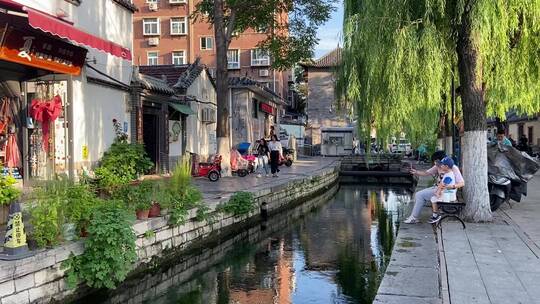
(497,262)
(412,277)
(227,185)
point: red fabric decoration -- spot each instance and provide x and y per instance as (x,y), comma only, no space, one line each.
(13,156)
(46,112)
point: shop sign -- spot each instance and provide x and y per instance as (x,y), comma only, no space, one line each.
(32,49)
(266,108)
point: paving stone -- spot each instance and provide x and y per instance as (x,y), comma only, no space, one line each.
(410,281)
(393,299)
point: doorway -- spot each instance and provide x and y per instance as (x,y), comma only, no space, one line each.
(151,137)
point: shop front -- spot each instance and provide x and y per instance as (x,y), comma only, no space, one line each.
(44,108)
(35,69)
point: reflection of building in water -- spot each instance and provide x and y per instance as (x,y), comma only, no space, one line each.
(345,227)
(267,279)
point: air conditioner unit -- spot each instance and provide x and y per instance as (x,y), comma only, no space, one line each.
(153,41)
(264,73)
(208,115)
(153,6)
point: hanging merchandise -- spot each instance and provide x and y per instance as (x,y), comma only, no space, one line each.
(13,158)
(46,112)
(4,119)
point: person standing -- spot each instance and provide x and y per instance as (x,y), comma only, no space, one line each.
(276,152)
(262,157)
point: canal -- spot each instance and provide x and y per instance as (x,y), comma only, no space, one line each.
(331,251)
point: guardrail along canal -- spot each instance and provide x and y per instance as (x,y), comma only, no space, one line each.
(334,252)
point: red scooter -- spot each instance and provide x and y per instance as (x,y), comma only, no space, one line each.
(211,170)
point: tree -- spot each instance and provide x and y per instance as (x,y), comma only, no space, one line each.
(400,58)
(291,26)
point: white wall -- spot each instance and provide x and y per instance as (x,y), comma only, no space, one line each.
(175,146)
(201,137)
(535,124)
(95,107)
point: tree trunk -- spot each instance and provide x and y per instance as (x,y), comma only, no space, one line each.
(474,115)
(222,126)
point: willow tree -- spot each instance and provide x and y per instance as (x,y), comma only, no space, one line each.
(400,56)
(291,28)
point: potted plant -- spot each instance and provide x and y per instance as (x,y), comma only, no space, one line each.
(136,197)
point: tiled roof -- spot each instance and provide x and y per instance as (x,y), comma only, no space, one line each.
(248,82)
(169,73)
(329,60)
(179,77)
(154,84)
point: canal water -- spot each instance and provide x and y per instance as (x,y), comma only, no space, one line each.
(335,252)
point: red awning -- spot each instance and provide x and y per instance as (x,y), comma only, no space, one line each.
(62,29)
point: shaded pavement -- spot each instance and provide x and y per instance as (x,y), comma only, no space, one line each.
(496,262)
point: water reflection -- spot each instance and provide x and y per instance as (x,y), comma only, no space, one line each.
(337,253)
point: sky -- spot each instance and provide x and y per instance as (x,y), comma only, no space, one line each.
(329,33)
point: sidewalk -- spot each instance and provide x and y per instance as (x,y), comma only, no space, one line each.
(497,262)
(301,168)
(412,276)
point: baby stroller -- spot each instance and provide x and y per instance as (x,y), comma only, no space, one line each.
(244,150)
(239,165)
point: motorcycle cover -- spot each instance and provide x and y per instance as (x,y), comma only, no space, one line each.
(517,166)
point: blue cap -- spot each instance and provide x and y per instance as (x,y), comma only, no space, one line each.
(447,161)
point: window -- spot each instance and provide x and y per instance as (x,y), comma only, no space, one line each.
(151,26)
(233,59)
(178,26)
(151,1)
(259,58)
(530,135)
(254,108)
(177,1)
(153,58)
(178,57)
(207,43)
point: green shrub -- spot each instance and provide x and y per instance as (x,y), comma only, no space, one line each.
(46,222)
(126,160)
(135,197)
(8,192)
(108,180)
(109,253)
(239,204)
(181,176)
(81,202)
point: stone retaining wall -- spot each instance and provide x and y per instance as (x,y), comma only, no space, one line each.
(39,279)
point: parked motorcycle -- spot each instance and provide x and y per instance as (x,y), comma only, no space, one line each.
(287,159)
(509,170)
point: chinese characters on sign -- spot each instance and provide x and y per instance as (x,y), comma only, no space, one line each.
(37,50)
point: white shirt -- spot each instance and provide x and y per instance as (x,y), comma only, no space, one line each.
(274,146)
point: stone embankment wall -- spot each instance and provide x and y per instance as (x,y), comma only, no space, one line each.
(39,279)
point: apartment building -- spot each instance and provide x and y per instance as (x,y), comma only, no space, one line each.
(164,34)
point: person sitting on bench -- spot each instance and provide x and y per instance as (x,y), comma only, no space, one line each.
(423,196)
(446,187)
